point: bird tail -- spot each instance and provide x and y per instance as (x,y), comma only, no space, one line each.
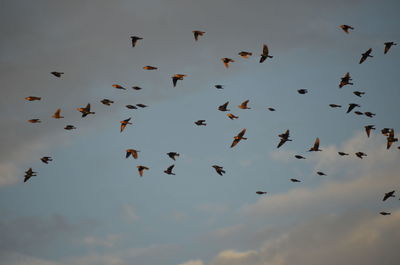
(269,56)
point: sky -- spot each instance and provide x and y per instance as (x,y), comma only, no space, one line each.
(90,207)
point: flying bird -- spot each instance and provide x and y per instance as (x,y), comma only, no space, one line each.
(28,174)
(57,114)
(261,192)
(169,170)
(320,173)
(200,123)
(85,111)
(46,159)
(352,106)
(299,157)
(238,137)
(346,28)
(32,98)
(224,106)
(124,123)
(173,155)
(361,154)
(118,86)
(345,80)
(70,127)
(388,195)
(369,114)
(226,61)
(177,77)
(284,138)
(358,93)
(141,169)
(132,152)
(385,213)
(315,146)
(388,45)
(107,102)
(343,154)
(243,105)
(197,33)
(130,107)
(220,170)
(265,54)
(302,91)
(245,54)
(149,67)
(365,55)
(271,109)
(391,139)
(335,106)
(35,121)
(358,112)
(385,131)
(295,180)
(219,86)
(141,105)
(368,129)
(135,39)
(57,74)
(232,116)
(136,88)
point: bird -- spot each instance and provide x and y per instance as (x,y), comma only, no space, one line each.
(131,107)
(335,106)
(177,77)
(391,139)
(388,195)
(385,213)
(271,109)
(284,138)
(352,106)
(149,67)
(358,112)
(135,39)
(136,88)
(70,127)
(361,154)
(219,86)
(369,114)
(173,155)
(320,173)
(169,170)
(295,180)
(124,123)
(57,114)
(224,106)
(315,146)
(365,55)
(200,123)
(28,174)
(34,121)
(239,137)
(346,28)
(302,91)
(358,93)
(343,154)
(85,111)
(141,105)
(220,170)
(57,74)
(245,54)
(232,116)
(197,33)
(243,105)
(261,192)
(141,169)
(226,61)
(368,129)
(299,157)
(388,45)
(46,159)
(33,98)
(385,131)
(118,86)
(345,80)
(107,102)
(265,54)
(132,152)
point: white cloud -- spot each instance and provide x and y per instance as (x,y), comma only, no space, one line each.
(193,262)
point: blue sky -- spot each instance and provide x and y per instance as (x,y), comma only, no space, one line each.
(89,206)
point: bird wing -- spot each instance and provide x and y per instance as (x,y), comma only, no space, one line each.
(174,80)
(316,144)
(283,140)
(134,154)
(242,132)
(235,142)
(265,50)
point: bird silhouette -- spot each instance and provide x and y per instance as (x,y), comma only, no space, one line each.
(219,86)
(385,131)
(343,154)
(295,180)
(346,28)
(224,106)
(335,106)
(368,129)
(271,109)
(299,157)
(369,114)
(107,102)
(177,77)
(200,123)
(141,169)
(220,170)
(302,91)
(124,123)
(361,155)
(136,88)
(28,174)
(118,86)
(173,155)
(358,93)
(284,138)
(390,139)
(32,98)
(345,80)
(245,54)
(46,159)
(365,55)
(352,106)
(320,173)
(238,138)
(140,105)
(385,213)
(261,192)
(226,61)
(243,105)
(315,147)
(197,33)
(265,54)
(57,74)
(135,40)
(130,107)
(34,121)
(388,45)
(132,152)
(57,114)
(70,127)
(149,67)
(358,112)
(169,170)
(85,111)
(389,195)
(232,116)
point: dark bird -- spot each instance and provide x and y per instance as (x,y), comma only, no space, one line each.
(46,159)
(299,157)
(302,91)
(107,102)
(197,33)
(226,61)
(70,127)
(141,105)
(131,107)
(261,192)
(169,170)
(57,114)
(284,138)
(265,54)
(149,67)
(135,39)
(358,112)
(177,77)
(245,54)
(295,180)
(358,93)
(369,114)
(343,154)
(365,55)
(219,169)
(385,213)
(132,152)
(385,131)
(85,111)
(320,173)
(200,122)
(173,155)
(136,88)
(141,169)
(335,106)
(224,106)
(232,116)
(361,154)
(388,45)
(368,129)
(391,139)
(315,146)
(346,28)
(35,121)
(124,123)
(345,80)
(271,109)
(388,195)
(219,86)
(57,74)
(28,174)
(352,106)
(238,137)
(118,86)
(32,98)
(243,105)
